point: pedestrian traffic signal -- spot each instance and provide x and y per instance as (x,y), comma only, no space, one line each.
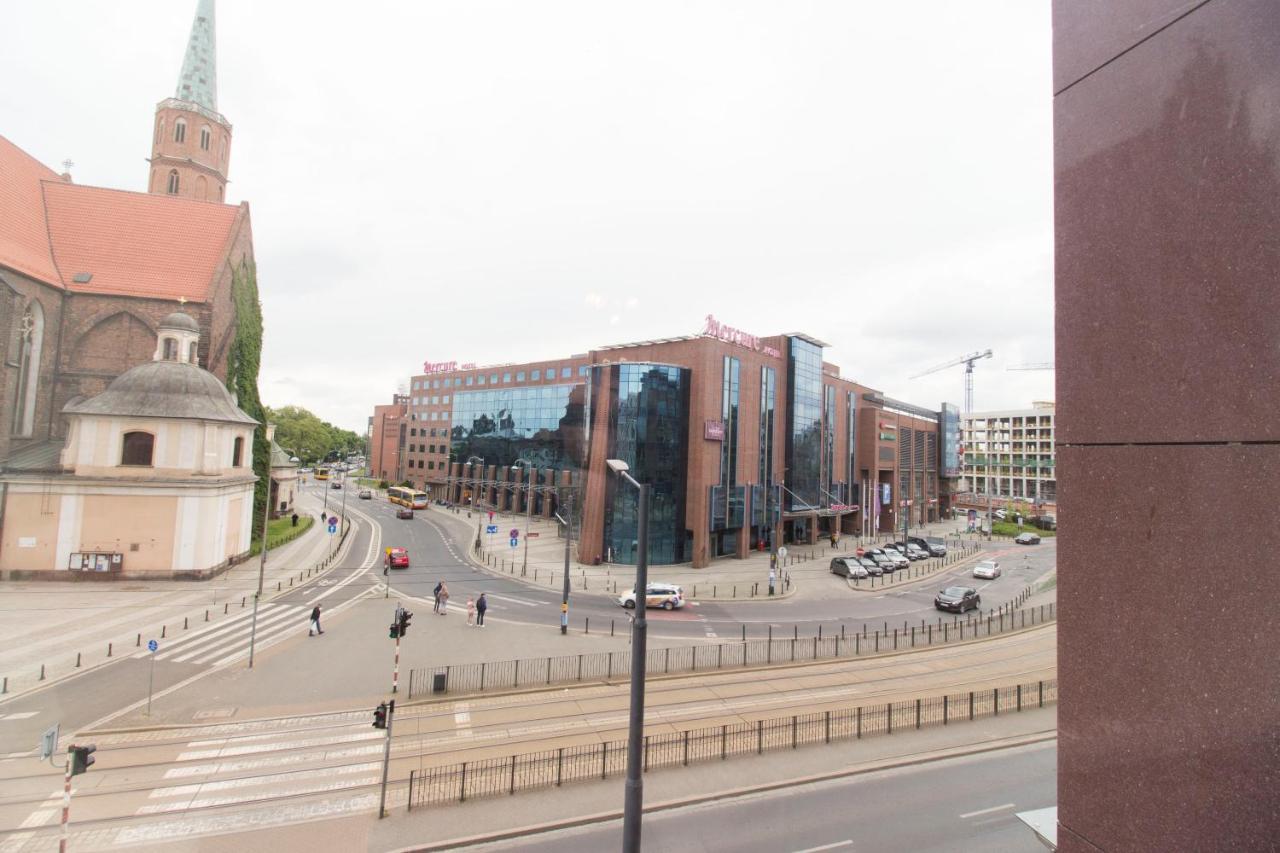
(380,716)
(405,616)
(82,758)
(395,631)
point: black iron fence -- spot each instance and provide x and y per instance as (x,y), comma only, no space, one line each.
(606,666)
(493,777)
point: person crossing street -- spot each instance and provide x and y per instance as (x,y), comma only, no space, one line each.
(482,604)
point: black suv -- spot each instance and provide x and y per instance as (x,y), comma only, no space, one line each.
(958,599)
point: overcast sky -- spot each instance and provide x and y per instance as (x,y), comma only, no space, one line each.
(514,181)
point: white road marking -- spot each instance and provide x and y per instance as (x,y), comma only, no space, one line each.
(848,842)
(462,719)
(249,749)
(514,600)
(283,780)
(21,715)
(979,812)
(275,815)
(277,761)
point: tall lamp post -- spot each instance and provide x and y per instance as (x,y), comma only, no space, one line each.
(567,521)
(475,503)
(633,803)
(262,563)
(528,510)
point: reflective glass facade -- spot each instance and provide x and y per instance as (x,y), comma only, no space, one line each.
(648,429)
(803,478)
(544,425)
(728,499)
(764,506)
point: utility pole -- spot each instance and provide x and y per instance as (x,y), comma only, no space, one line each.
(568,537)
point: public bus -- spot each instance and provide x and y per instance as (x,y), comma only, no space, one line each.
(408,497)
(322,473)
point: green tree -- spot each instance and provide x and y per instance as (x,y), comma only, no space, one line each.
(244,357)
(303,433)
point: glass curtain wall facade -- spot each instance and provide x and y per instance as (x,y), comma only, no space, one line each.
(728,499)
(764,500)
(803,478)
(830,475)
(648,429)
(544,425)
(850,495)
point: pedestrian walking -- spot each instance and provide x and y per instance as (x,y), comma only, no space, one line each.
(444,599)
(482,604)
(295,519)
(315,622)
(439,586)
(471,611)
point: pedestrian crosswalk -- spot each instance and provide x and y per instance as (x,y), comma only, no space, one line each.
(228,641)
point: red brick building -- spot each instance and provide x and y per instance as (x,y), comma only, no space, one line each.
(387,432)
(748,442)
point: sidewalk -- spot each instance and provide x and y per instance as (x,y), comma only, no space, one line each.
(726,579)
(59,629)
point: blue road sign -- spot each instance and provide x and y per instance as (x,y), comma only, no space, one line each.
(515,542)
(333,528)
(491,528)
(152,645)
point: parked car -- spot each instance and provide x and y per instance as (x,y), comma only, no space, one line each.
(1045,522)
(872,567)
(934,546)
(335,485)
(987,569)
(366,495)
(397,558)
(1027,539)
(1000,514)
(668,596)
(913,552)
(958,599)
(900,560)
(886,563)
(404,512)
(848,567)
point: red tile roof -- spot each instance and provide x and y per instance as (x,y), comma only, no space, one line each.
(134,244)
(24,237)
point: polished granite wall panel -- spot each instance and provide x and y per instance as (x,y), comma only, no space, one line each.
(1090,33)
(1167,230)
(1168,654)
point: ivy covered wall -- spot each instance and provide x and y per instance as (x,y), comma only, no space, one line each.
(243,360)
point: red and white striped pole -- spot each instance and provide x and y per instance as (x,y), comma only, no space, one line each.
(395,675)
(66,802)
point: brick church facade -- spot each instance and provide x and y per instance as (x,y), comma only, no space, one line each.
(87,273)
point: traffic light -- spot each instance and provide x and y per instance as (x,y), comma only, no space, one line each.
(380,716)
(395,631)
(82,758)
(405,616)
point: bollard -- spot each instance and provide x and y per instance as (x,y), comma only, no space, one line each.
(108,649)
(206,614)
(744,632)
(795,632)
(225,605)
(163,628)
(77,660)
(184,623)
(277,586)
(5,689)
(735,590)
(587,629)
(42,672)
(139,643)
(242,598)
(610,627)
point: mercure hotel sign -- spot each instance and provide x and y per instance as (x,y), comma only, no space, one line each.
(715,329)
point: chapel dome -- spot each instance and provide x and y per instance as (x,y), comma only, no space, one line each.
(165,389)
(178,320)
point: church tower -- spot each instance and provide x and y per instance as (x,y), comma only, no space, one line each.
(191,143)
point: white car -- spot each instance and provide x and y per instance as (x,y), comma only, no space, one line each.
(988,569)
(668,596)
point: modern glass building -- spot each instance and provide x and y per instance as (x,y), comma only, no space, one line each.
(746,442)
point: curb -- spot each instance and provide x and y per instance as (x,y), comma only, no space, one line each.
(733,793)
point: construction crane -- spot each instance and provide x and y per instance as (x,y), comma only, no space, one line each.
(967,361)
(1039,365)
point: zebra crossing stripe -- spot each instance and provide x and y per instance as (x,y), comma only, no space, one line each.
(178,645)
(205,653)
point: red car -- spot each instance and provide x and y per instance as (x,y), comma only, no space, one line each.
(398,558)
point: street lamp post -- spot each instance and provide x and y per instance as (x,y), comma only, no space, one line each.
(475,503)
(567,521)
(633,802)
(528,511)
(262,564)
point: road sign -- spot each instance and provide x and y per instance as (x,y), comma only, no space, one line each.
(514,542)
(49,742)
(515,534)
(491,528)
(782,553)
(333,528)
(152,645)
(533,535)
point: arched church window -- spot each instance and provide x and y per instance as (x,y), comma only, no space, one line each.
(30,342)
(170,349)
(204,138)
(237,453)
(159,130)
(136,448)
(173,182)
(193,353)
(179,131)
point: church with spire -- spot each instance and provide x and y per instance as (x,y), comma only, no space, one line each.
(88,274)
(192,143)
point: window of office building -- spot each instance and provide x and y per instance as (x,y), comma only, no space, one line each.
(535,376)
(764,502)
(479,380)
(541,424)
(519,375)
(804,427)
(829,441)
(506,378)
(728,499)
(566,372)
(648,429)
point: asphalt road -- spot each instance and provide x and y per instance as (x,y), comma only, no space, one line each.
(437,553)
(957,804)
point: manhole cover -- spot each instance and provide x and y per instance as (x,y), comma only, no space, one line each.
(215,714)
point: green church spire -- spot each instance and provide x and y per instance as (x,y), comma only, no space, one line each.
(198,82)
